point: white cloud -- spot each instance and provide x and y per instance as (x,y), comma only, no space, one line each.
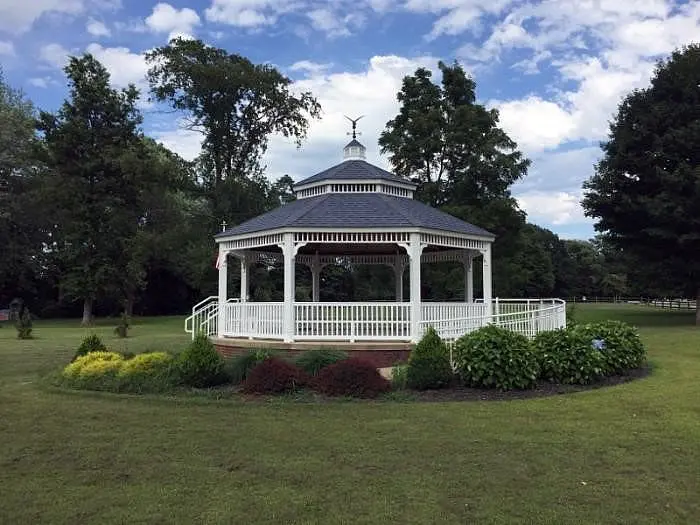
(7,48)
(40,82)
(54,54)
(333,24)
(97,28)
(17,17)
(124,66)
(247,13)
(553,207)
(309,67)
(184,142)
(176,22)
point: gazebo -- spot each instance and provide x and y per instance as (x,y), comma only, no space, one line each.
(357,213)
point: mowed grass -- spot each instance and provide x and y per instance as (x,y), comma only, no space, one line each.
(627,454)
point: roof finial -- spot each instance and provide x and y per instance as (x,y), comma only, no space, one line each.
(354,126)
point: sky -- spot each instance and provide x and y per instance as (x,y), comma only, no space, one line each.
(555,69)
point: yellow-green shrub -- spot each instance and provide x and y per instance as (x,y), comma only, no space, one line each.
(94,363)
(145,364)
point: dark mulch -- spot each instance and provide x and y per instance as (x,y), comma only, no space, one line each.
(543,389)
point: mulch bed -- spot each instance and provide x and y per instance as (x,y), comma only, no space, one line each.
(543,389)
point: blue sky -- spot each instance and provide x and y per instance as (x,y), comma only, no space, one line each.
(555,69)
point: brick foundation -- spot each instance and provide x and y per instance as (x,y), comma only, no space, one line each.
(379,354)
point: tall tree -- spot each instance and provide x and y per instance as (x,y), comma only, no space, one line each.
(20,236)
(645,192)
(234,103)
(92,190)
(461,159)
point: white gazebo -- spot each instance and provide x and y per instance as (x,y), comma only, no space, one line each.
(357,213)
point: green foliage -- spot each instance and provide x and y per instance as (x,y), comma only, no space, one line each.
(200,365)
(429,364)
(274,376)
(399,377)
(645,192)
(24,324)
(312,361)
(621,347)
(122,329)
(571,310)
(91,343)
(238,368)
(567,356)
(494,357)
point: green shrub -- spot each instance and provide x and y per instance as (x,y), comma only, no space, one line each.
(238,368)
(619,343)
(122,329)
(313,361)
(399,377)
(23,324)
(200,365)
(429,363)
(91,343)
(149,372)
(493,357)
(567,356)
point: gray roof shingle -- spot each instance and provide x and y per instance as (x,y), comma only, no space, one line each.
(354,170)
(355,210)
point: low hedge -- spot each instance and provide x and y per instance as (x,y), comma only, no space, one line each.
(618,342)
(567,356)
(274,376)
(352,377)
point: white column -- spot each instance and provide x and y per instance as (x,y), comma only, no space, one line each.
(414,252)
(399,267)
(244,278)
(468,279)
(315,278)
(223,290)
(486,277)
(289,262)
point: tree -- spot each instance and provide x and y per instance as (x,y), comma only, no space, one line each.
(91,148)
(235,104)
(645,193)
(20,234)
(463,162)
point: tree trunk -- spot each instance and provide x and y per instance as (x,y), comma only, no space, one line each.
(87,312)
(697,308)
(129,304)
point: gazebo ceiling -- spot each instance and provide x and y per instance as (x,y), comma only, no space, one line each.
(355,211)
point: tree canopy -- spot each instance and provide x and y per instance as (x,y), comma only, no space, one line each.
(645,193)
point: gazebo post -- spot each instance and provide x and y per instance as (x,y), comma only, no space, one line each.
(468,278)
(399,266)
(486,278)
(288,254)
(223,290)
(414,253)
(315,278)
(244,278)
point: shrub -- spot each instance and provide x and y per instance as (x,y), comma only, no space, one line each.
(200,365)
(429,364)
(238,368)
(313,361)
(91,343)
(149,372)
(94,371)
(351,377)
(23,324)
(494,357)
(399,377)
(274,376)
(619,343)
(76,368)
(566,356)
(122,329)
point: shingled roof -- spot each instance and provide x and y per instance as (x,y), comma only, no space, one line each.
(354,170)
(356,210)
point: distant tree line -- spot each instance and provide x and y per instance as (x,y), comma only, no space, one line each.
(96,218)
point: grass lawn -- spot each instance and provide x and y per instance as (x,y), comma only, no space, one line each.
(627,454)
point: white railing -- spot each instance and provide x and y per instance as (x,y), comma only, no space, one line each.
(352,321)
(387,321)
(253,320)
(204,317)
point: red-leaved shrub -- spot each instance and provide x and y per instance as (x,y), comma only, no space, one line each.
(274,376)
(351,377)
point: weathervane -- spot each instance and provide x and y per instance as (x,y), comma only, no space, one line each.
(354,126)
